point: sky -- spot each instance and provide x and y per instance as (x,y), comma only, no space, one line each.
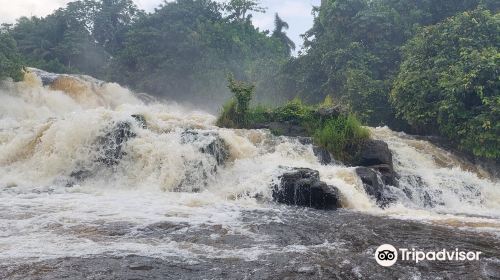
(296,12)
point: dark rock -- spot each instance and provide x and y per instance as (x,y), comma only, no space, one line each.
(198,172)
(302,187)
(387,173)
(323,155)
(46,77)
(305,140)
(77,176)
(140,267)
(209,142)
(374,186)
(375,152)
(376,155)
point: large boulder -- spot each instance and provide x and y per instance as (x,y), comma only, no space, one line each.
(374,186)
(374,152)
(376,155)
(302,187)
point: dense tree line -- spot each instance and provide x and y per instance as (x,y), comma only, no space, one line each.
(82,37)
(449,82)
(427,66)
(353,51)
(443,73)
(184,50)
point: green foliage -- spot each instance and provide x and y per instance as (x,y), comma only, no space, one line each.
(449,81)
(243,94)
(235,112)
(259,114)
(228,115)
(294,110)
(80,38)
(10,60)
(342,137)
(327,103)
(280,35)
(239,9)
(185,48)
(353,52)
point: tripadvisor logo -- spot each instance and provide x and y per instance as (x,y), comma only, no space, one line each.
(388,255)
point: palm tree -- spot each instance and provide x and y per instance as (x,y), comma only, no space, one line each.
(279,34)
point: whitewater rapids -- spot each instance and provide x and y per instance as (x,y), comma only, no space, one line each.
(49,132)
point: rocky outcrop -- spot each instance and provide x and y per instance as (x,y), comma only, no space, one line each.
(375,154)
(374,186)
(376,171)
(302,187)
(141,120)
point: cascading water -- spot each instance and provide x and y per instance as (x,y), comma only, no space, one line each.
(89,169)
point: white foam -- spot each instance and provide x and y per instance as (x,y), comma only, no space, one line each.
(46,134)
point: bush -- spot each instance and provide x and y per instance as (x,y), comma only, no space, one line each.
(294,110)
(235,112)
(228,115)
(342,137)
(259,114)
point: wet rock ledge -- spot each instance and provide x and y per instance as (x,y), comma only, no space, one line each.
(302,187)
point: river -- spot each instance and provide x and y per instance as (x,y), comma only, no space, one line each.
(167,210)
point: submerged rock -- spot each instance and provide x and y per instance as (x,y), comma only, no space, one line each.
(141,120)
(302,187)
(109,148)
(198,172)
(209,142)
(111,144)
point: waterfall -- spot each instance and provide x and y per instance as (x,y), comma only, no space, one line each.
(81,150)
